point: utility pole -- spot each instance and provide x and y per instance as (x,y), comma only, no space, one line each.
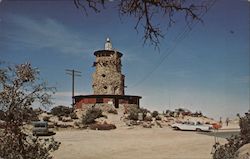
(73,73)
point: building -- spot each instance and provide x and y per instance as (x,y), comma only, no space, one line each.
(108,78)
(108,82)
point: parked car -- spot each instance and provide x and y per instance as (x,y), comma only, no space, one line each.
(191,126)
(40,128)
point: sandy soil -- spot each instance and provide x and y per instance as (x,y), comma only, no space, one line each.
(141,143)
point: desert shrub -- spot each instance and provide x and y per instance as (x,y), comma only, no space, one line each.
(91,115)
(2,124)
(67,119)
(144,111)
(60,118)
(77,123)
(80,125)
(20,88)
(64,126)
(148,118)
(228,151)
(2,115)
(46,118)
(157,117)
(104,116)
(133,113)
(104,126)
(155,114)
(112,111)
(61,111)
(245,128)
(73,115)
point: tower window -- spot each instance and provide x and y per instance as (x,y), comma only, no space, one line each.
(105,87)
(103,75)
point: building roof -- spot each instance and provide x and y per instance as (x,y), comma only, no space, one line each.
(106,53)
(107,96)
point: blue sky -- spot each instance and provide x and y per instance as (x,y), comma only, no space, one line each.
(207,69)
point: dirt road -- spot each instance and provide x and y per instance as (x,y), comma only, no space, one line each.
(141,143)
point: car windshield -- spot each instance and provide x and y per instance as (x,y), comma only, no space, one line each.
(40,124)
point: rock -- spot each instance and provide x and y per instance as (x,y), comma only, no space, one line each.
(147,125)
(140,116)
(66,119)
(148,115)
(243,152)
(127,122)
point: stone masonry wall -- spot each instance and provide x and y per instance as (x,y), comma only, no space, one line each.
(108,79)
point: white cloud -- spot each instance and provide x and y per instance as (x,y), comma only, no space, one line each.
(45,33)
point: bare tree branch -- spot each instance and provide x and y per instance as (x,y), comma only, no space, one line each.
(147,12)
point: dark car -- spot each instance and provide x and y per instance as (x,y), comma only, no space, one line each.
(40,128)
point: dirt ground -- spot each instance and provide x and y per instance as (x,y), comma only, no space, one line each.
(141,143)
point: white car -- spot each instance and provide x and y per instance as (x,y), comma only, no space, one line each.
(191,126)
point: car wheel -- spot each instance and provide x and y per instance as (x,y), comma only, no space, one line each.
(198,129)
(177,128)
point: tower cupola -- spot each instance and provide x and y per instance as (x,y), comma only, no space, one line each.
(108,45)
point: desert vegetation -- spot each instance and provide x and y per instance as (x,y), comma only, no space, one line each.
(20,88)
(102,126)
(230,149)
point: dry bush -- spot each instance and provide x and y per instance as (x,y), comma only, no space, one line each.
(228,151)
(46,118)
(76,123)
(61,111)
(144,111)
(66,119)
(155,114)
(104,126)
(133,113)
(91,115)
(112,111)
(157,117)
(20,88)
(73,115)
(2,115)
(148,118)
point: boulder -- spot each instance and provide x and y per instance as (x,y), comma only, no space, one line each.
(243,152)
(147,125)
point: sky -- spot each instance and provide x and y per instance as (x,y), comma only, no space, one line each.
(206,68)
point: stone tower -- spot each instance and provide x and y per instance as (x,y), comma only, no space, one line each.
(108,78)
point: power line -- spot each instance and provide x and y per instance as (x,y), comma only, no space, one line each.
(73,73)
(177,40)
